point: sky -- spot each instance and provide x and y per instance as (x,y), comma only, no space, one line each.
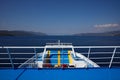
(60,17)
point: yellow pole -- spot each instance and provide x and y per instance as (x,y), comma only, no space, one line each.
(69,56)
(58,57)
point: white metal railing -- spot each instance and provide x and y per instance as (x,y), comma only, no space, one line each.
(96,46)
(98,53)
(115,51)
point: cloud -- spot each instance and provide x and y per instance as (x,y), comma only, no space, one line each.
(106,25)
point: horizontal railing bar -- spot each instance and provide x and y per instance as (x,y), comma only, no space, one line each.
(60,46)
(102,52)
(54,63)
(31,53)
(64,58)
(35,58)
(22,47)
(98,52)
(20,53)
(18,63)
(66,53)
(103,57)
(10,63)
(117,52)
(4,67)
(56,58)
(96,47)
(17,58)
(32,63)
(63,53)
(107,62)
(116,62)
(57,63)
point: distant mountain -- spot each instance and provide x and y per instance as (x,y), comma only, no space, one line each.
(20,33)
(111,33)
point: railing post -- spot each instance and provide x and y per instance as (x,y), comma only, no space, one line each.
(112,57)
(10,58)
(73,52)
(89,52)
(44,52)
(35,53)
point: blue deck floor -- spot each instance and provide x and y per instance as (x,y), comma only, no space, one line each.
(60,74)
(53,57)
(63,57)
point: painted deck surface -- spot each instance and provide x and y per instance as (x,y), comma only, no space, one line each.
(60,74)
(59,57)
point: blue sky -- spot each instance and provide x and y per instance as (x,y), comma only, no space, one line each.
(60,17)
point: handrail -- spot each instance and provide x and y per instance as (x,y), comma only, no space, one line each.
(65,63)
(103,57)
(60,46)
(22,47)
(96,46)
(62,58)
